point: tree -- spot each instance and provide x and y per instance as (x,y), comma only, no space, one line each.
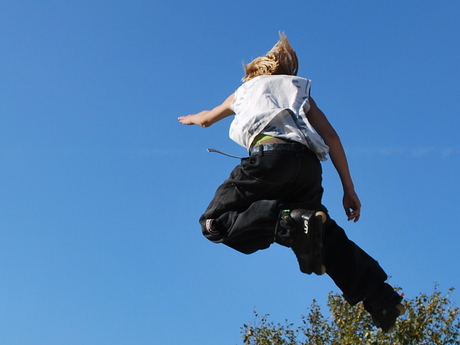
(428,320)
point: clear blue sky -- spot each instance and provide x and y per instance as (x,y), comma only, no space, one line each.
(101,188)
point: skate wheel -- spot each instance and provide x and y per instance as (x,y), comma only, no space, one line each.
(323,270)
(320,270)
(401,309)
(322,215)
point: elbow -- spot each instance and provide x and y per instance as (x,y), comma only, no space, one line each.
(331,137)
(205,124)
(205,121)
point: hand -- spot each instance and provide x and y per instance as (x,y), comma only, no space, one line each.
(352,205)
(186,120)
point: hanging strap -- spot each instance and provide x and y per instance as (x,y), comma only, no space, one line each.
(223,153)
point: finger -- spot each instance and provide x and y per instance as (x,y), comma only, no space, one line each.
(356,215)
(353,214)
(348,212)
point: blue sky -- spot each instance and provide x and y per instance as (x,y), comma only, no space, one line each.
(101,188)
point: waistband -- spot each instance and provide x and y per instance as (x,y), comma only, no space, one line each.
(279,147)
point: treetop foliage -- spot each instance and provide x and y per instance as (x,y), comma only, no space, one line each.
(429,319)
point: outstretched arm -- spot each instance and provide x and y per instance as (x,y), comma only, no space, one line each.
(206,118)
(321,124)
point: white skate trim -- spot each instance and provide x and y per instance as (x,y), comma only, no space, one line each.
(209,227)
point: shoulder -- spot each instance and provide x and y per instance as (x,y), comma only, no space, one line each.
(300,80)
(290,81)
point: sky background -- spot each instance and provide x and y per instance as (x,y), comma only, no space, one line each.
(101,188)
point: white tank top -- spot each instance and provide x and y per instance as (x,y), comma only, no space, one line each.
(258,105)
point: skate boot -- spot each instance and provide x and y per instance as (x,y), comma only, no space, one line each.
(386,310)
(386,318)
(306,229)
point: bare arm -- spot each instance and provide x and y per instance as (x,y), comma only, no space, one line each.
(321,124)
(206,118)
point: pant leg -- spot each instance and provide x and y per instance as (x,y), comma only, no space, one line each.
(235,219)
(246,231)
(356,273)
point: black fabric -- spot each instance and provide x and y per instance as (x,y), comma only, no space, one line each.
(245,211)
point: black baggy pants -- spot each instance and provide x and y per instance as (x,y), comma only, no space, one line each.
(244,213)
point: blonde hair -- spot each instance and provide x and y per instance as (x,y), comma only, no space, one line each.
(281,59)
